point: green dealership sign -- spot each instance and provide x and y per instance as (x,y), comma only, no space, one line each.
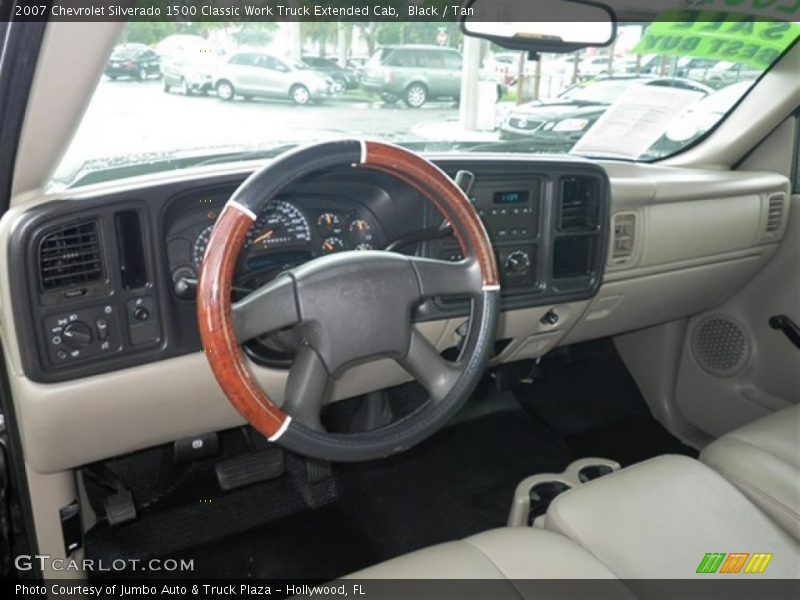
(733,37)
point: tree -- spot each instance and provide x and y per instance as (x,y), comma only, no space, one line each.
(144,32)
(254,33)
(423,32)
(319,33)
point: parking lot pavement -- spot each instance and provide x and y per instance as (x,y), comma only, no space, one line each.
(131,117)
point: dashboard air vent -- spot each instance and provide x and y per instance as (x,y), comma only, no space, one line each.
(775,212)
(578,208)
(70,256)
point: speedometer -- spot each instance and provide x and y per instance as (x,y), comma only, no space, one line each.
(280,224)
(200,245)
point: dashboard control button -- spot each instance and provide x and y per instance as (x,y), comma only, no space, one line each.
(517,262)
(77,335)
(61,355)
(550,318)
(101,325)
(140,313)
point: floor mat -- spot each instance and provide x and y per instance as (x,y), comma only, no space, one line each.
(583,387)
(457,483)
(582,403)
(627,441)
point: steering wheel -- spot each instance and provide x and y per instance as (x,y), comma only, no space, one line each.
(349,307)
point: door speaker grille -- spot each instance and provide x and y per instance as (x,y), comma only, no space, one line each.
(720,346)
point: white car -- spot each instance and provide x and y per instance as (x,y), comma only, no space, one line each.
(188,63)
(256,73)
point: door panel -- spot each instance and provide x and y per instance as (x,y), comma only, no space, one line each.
(735,368)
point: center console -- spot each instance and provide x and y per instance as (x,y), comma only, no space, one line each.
(547,228)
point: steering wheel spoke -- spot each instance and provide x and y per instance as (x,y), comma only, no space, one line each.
(306,388)
(445,278)
(428,367)
(269,308)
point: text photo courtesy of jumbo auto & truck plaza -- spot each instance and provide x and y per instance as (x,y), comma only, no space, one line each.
(337,56)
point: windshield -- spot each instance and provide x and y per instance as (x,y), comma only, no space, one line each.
(214,93)
(597,91)
(121,53)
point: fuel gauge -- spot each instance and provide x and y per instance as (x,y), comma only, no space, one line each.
(333,244)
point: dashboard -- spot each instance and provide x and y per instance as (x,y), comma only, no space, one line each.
(103,332)
(109,282)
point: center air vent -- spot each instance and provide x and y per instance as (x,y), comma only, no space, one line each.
(70,256)
(578,206)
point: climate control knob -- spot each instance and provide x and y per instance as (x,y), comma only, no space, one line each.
(77,335)
(517,262)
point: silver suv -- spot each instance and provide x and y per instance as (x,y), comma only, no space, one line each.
(414,72)
(253,73)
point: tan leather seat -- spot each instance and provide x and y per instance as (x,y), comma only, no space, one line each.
(509,553)
(763,460)
(654,520)
(659,518)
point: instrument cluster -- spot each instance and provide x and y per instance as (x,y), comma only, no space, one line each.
(288,232)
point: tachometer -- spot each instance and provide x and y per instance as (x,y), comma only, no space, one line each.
(281,224)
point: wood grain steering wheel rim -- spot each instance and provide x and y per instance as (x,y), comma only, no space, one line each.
(476,276)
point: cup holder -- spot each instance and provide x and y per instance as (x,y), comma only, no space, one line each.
(534,494)
(593,472)
(542,494)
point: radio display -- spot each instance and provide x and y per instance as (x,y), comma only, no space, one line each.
(518,197)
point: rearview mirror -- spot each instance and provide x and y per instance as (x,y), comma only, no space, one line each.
(560,25)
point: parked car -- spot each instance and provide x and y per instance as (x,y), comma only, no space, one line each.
(136,61)
(693,68)
(505,66)
(700,118)
(343,79)
(256,73)
(527,119)
(723,73)
(188,63)
(356,64)
(414,73)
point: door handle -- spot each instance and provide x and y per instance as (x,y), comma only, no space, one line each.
(788,327)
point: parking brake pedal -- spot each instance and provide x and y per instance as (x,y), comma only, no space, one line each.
(252,467)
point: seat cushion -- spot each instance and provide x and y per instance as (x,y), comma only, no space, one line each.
(510,553)
(763,460)
(659,518)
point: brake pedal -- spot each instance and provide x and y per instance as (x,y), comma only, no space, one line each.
(250,468)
